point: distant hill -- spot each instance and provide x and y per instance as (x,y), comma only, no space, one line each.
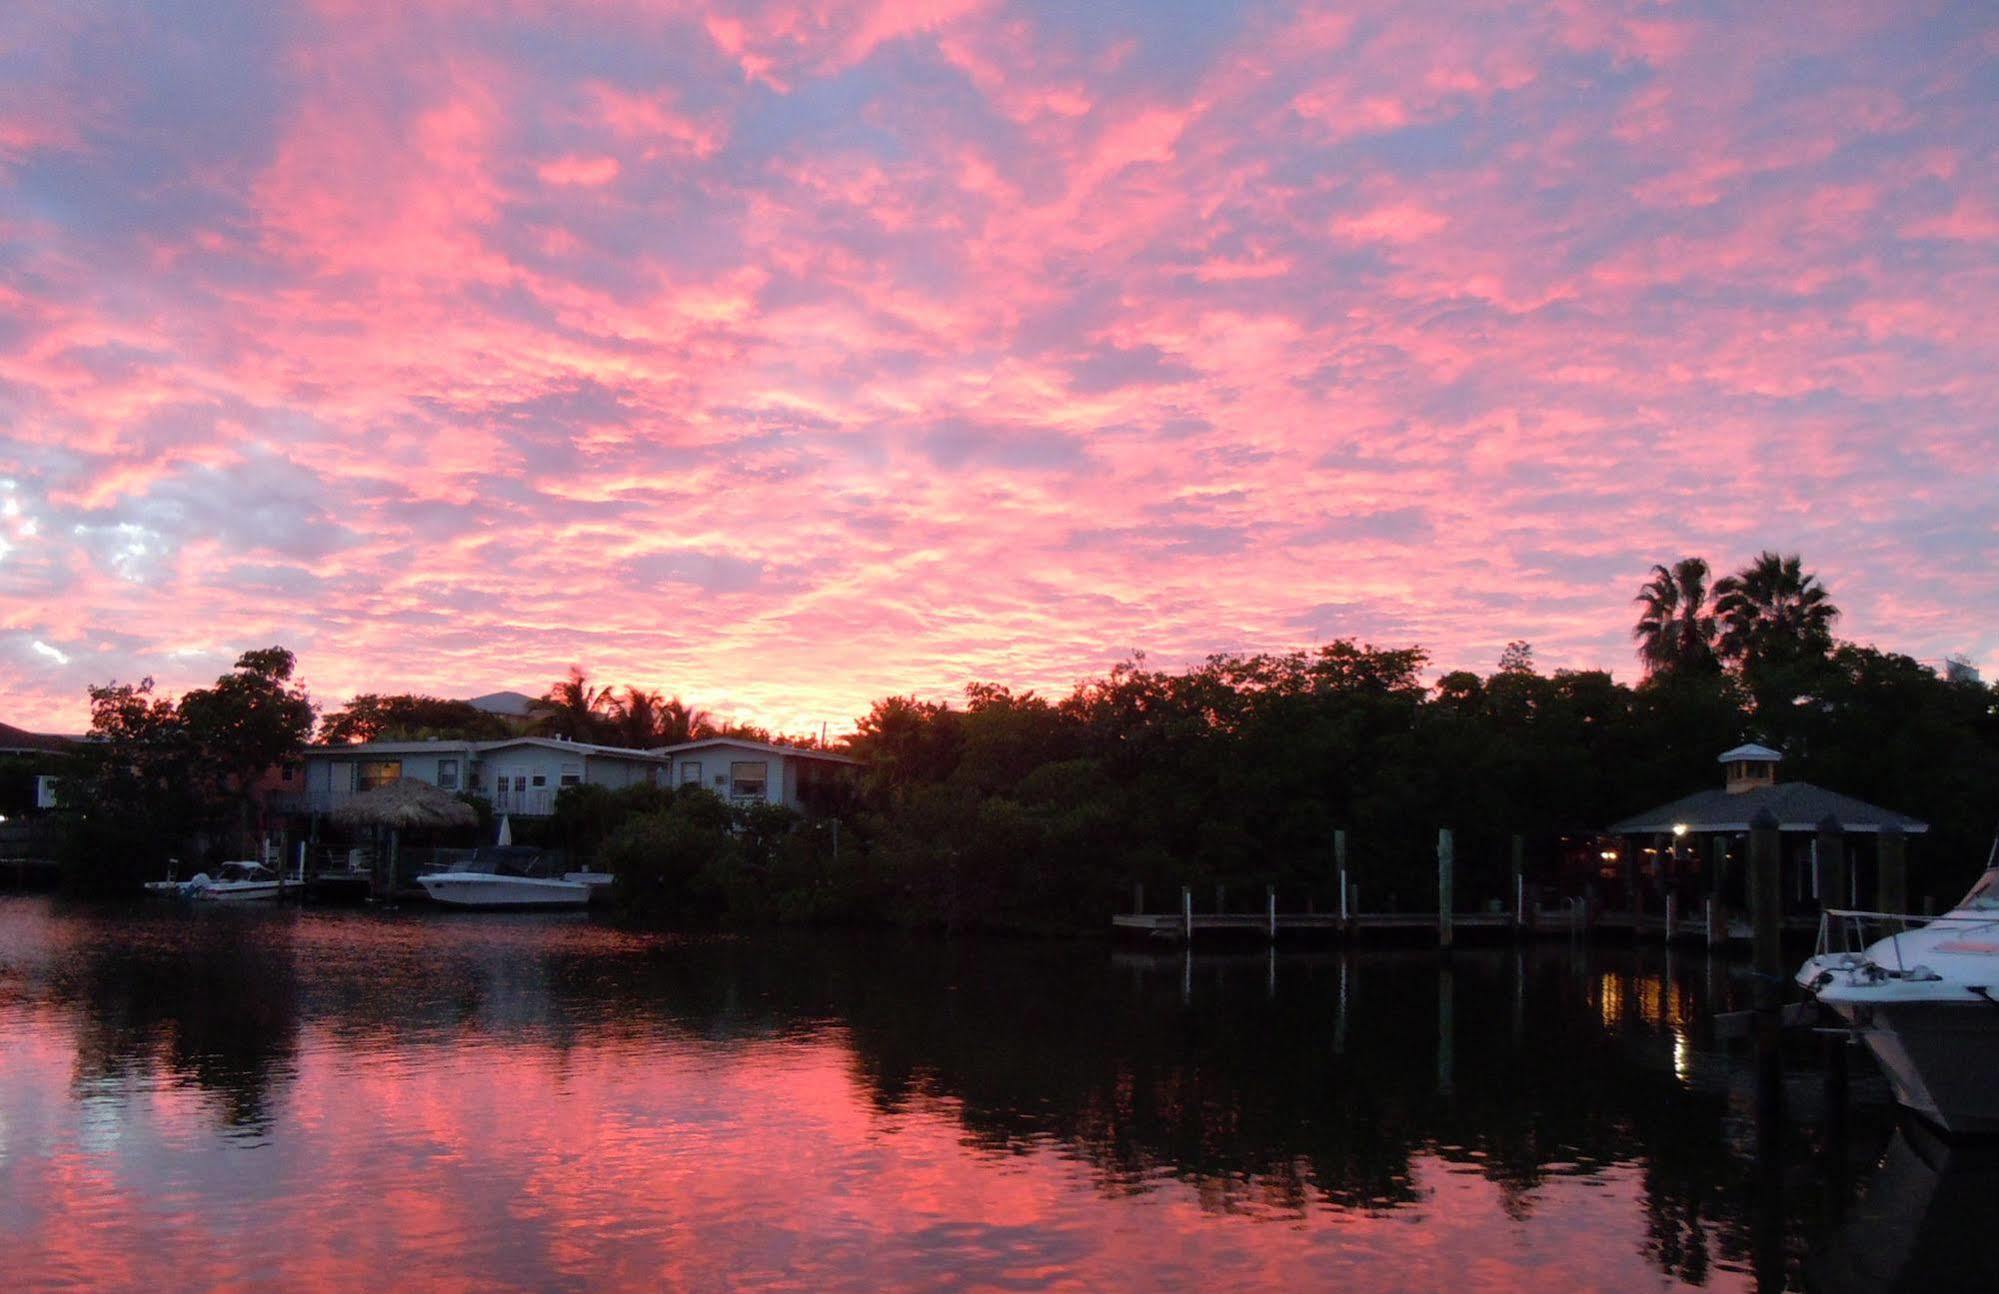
(510,705)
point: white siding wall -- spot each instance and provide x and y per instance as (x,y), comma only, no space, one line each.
(715,761)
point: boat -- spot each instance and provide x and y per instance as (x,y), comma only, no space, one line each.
(233,882)
(1923,1221)
(599,883)
(503,877)
(1925,999)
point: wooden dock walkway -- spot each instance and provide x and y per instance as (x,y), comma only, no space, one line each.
(1574,919)
(1171,925)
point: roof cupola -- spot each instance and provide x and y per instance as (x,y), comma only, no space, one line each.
(1750,767)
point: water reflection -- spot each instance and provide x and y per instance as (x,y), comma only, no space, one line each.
(537,1104)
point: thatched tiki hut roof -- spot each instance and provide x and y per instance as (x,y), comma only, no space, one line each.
(406,804)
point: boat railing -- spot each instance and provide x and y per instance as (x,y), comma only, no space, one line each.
(1847,931)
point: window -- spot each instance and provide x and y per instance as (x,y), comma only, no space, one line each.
(747,779)
(572,775)
(539,779)
(285,773)
(377,772)
(690,773)
(447,774)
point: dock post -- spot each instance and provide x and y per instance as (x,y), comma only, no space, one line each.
(1892,871)
(1340,867)
(1187,913)
(1519,883)
(1270,900)
(1831,850)
(1718,889)
(1633,904)
(1446,859)
(1766,895)
(1138,898)
(1672,915)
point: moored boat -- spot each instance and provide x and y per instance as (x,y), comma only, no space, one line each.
(234,882)
(503,878)
(1925,999)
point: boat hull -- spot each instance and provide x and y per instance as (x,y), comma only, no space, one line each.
(239,892)
(1940,1058)
(483,890)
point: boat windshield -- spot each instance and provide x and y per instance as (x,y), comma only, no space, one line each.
(1984,896)
(503,860)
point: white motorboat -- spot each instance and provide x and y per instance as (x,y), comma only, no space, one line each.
(1926,1000)
(235,882)
(503,878)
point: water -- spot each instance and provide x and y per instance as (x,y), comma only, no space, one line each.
(276,1099)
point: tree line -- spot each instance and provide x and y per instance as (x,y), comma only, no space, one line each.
(1011,809)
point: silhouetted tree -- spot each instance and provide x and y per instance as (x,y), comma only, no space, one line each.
(1776,630)
(574,708)
(253,719)
(371,716)
(1676,630)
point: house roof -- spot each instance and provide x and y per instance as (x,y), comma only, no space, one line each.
(1797,806)
(20,739)
(1749,754)
(481,747)
(743,743)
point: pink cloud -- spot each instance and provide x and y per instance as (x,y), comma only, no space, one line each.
(965,340)
(587,172)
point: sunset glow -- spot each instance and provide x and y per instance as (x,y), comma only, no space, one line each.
(788,355)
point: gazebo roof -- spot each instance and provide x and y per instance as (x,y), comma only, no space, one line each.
(406,803)
(1750,753)
(1797,806)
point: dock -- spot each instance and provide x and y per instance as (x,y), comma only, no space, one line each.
(1180,926)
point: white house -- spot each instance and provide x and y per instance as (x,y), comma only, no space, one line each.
(742,771)
(520,775)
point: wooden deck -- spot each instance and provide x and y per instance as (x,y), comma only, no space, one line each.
(1169,925)
(1547,921)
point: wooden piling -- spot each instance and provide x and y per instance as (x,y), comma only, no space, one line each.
(1717,908)
(1446,863)
(1519,883)
(1270,904)
(1766,896)
(1831,848)
(1187,913)
(1632,902)
(1892,870)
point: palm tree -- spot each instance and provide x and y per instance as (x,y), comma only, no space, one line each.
(635,719)
(680,723)
(573,708)
(1676,631)
(1773,612)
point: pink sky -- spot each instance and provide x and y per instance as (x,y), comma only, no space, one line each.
(788,355)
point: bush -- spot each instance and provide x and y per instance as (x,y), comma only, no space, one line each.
(666,865)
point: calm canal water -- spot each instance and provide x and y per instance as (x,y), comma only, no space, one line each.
(284,1099)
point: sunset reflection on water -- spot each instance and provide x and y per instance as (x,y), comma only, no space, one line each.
(230,1100)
